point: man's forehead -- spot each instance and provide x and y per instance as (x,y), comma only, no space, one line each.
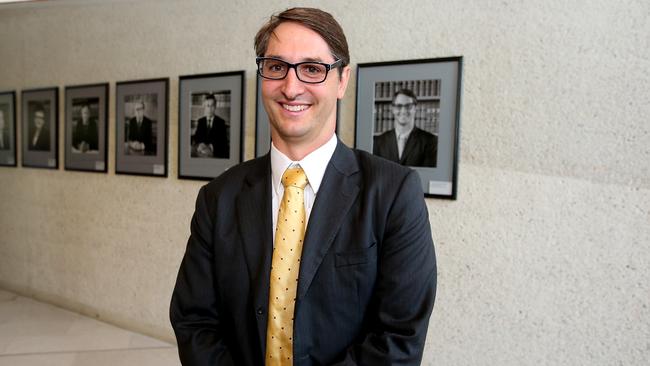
(301,59)
(403,98)
(295,42)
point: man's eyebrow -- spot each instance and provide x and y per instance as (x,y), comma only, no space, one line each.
(305,59)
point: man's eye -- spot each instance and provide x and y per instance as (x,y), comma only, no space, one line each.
(313,69)
(276,67)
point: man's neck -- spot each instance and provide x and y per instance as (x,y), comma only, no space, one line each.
(296,150)
(403,130)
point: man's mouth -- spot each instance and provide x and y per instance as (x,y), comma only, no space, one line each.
(295,108)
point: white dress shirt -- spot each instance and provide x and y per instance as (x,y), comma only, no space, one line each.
(36,136)
(314,165)
(402,135)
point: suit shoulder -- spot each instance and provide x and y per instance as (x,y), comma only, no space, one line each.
(384,135)
(386,181)
(380,168)
(233,179)
(424,134)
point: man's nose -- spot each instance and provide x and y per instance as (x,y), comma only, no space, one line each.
(292,86)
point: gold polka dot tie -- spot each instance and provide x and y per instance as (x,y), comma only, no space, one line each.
(287,249)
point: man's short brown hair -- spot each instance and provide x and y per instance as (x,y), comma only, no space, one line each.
(317,20)
(408,92)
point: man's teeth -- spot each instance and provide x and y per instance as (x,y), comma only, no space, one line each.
(294,108)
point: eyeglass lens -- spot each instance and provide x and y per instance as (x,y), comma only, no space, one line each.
(306,71)
(405,106)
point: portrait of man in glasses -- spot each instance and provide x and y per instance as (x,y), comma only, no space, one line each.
(39,131)
(405,143)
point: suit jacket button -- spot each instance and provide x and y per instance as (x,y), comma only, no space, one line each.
(260,311)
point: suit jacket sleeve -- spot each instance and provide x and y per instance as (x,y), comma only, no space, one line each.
(193,310)
(430,152)
(406,285)
(201,131)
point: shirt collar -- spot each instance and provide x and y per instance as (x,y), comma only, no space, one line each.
(403,133)
(314,164)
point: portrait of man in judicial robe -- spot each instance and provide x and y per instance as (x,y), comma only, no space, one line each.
(38,131)
(85,134)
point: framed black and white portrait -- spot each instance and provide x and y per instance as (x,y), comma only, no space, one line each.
(8,128)
(40,128)
(141,120)
(86,134)
(210,124)
(409,112)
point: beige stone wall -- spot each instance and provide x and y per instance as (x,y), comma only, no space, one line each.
(543,259)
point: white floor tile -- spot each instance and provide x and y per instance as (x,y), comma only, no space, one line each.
(34,333)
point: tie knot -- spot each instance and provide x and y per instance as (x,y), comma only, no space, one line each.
(294,177)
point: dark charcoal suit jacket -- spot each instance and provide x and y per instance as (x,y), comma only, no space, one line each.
(367,278)
(88,134)
(217,136)
(421,148)
(143,134)
(5,140)
(43,141)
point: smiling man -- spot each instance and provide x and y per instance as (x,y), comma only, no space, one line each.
(405,143)
(314,254)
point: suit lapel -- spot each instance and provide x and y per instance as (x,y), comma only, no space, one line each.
(410,147)
(254,218)
(335,197)
(393,153)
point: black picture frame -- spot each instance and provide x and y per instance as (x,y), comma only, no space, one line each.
(432,148)
(40,144)
(262,123)
(8,150)
(86,140)
(204,152)
(141,141)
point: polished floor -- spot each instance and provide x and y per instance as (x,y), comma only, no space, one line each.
(33,333)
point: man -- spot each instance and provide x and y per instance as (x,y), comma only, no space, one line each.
(85,134)
(336,267)
(406,144)
(4,134)
(211,137)
(39,133)
(140,135)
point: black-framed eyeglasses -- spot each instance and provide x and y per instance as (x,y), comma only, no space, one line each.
(406,106)
(311,72)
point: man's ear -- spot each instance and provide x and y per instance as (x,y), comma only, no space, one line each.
(343,82)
